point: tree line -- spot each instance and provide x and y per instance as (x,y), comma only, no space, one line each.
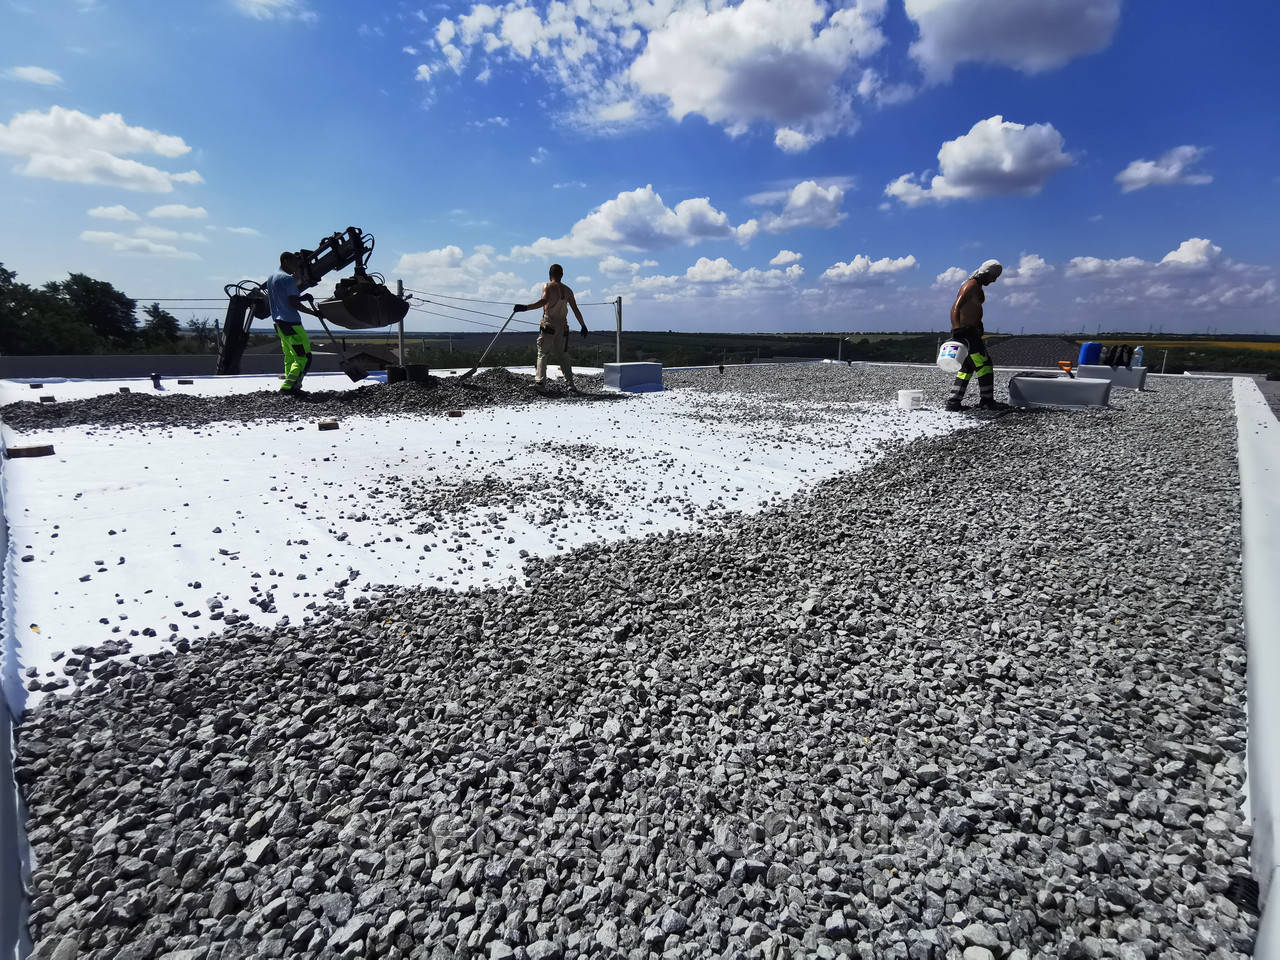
(82,315)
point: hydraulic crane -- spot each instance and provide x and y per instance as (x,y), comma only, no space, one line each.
(359,302)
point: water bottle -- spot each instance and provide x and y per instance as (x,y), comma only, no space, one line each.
(1137,356)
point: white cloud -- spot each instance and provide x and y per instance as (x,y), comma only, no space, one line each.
(40,75)
(1031,269)
(776,62)
(1194,255)
(164,233)
(639,220)
(1171,168)
(995,157)
(872,87)
(808,205)
(423,73)
(119,243)
(568,184)
(614,266)
(951,277)
(275,9)
(780,190)
(488,122)
(614,113)
(1028,35)
(245,231)
(117,212)
(862,269)
(68,145)
(448,270)
(539,156)
(785,257)
(712,278)
(178,211)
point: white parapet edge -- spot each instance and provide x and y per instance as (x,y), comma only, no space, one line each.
(1258,446)
(15,855)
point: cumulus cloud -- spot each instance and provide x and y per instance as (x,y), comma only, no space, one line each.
(164,233)
(276,10)
(713,278)
(1172,168)
(1029,35)
(1030,269)
(995,157)
(951,277)
(808,205)
(785,257)
(178,211)
(787,65)
(117,212)
(39,75)
(873,87)
(863,270)
(1196,274)
(776,62)
(449,270)
(1194,255)
(614,266)
(639,220)
(61,144)
(120,243)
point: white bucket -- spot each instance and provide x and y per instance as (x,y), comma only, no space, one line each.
(911,399)
(951,356)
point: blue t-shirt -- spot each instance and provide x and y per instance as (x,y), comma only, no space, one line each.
(280,287)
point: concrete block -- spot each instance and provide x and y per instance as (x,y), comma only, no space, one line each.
(1036,391)
(633,377)
(1133,377)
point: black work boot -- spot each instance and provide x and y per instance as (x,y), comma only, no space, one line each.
(952,405)
(991,403)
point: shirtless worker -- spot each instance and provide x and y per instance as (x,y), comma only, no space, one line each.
(966,326)
(553,331)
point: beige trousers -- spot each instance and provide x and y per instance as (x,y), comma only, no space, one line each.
(554,348)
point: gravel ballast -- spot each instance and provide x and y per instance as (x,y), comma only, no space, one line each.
(981,699)
(437,395)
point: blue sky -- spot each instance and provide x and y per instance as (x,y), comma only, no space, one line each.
(780,165)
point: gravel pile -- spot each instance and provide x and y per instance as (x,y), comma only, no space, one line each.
(495,387)
(908,713)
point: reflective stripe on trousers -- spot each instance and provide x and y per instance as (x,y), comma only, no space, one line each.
(296,346)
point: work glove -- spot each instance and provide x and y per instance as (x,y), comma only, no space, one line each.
(519,308)
(584,333)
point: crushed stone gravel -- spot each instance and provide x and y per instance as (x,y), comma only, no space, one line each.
(494,387)
(981,699)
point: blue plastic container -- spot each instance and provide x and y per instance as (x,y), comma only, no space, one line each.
(1090,352)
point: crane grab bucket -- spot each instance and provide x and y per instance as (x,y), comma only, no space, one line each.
(361,303)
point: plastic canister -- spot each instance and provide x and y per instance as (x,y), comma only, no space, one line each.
(1090,352)
(911,399)
(1137,357)
(951,356)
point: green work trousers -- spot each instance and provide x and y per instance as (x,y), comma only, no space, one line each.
(297,354)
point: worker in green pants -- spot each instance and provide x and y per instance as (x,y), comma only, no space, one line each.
(287,305)
(966,326)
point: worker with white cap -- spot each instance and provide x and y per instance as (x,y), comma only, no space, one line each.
(966,326)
